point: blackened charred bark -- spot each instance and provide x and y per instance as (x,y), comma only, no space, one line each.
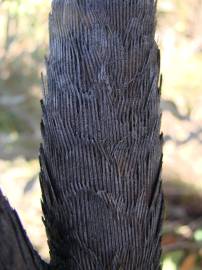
(101,155)
(16,252)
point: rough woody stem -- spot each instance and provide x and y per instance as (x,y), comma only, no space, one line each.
(101,155)
(16,252)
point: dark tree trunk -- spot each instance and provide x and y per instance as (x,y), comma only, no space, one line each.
(102,152)
(101,155)
(16,252)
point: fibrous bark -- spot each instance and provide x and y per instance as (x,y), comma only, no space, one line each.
(101,155)
(16,252)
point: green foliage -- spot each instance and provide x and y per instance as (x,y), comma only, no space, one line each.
(172,260)
(198,235)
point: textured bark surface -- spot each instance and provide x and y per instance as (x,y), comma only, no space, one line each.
(16,252)
(101,155)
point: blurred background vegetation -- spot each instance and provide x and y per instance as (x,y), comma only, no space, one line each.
(24,42)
